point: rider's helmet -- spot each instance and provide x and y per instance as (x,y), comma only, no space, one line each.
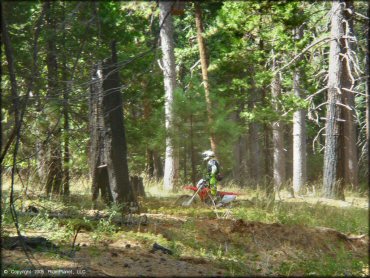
(207,155)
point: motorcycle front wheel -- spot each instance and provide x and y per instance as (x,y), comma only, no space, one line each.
(184,199)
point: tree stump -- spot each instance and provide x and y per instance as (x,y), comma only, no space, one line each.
(137,185)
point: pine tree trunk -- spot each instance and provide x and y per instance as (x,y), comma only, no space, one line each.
(97,157)
(299,133)
(204,65)
(368,97)
(149,167)
(66,155)
(55,172)
(169,72)
(157,165)
(350,156)
(9,53)
(237,155)
(254,134)
(266,150)
(240,152)
(277,134)
(299,139)
(115,138)
(332,187)
(192,151)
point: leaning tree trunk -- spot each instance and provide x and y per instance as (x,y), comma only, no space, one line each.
(277,134)
(115,138)
(333,188)
(55,172)
(299,133)
(204,65)
(169,72)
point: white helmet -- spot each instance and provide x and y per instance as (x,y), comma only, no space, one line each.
(208,154)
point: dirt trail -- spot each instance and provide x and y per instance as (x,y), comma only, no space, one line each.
(268,244)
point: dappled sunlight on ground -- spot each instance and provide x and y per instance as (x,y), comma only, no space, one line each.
(294,236)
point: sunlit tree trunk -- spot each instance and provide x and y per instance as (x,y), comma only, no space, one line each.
(299,133)
(333,188)
(204,65)
(169,72)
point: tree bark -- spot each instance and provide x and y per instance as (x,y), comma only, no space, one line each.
(192,151)
(55,171)
(266,151)
(332,187)
(13,81)
(9,54)
(97,157)
(204,66)
(350,156)
(254,145)
(240,153)
(277,134)
(149,167)
(115,138)
(299,133)
(66,154)
(169,72)
(368,97)
(157,165)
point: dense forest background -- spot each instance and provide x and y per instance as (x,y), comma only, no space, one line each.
(107,106)
(249,79)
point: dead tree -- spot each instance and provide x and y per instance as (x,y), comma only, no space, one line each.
(98,169)
(108,152)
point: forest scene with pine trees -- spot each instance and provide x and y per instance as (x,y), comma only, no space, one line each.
(185,138)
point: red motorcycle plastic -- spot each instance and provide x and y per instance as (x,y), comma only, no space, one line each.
(203,191)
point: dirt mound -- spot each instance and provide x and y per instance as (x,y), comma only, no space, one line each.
(276,236)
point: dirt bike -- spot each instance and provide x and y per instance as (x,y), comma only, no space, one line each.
(203,192)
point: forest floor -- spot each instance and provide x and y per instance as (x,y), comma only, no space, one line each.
(295,236)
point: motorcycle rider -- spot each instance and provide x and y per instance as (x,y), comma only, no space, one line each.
(213,169)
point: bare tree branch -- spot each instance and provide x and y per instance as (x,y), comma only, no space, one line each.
(301,53)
